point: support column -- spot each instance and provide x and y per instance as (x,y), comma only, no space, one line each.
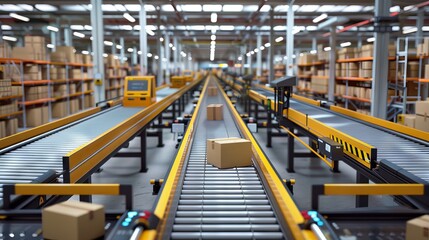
(122,52)
(359,42)
(68,36)
(361,200)
(175,54)
(159,78)
(271,48)
(289,38)
(332,60)
(113,48)
(243,58)
(98,49)
(53,40)
(419,25)
(314,44)
(134,58)
(259,55)
(143,39)
(167,56)
(249,58)
(381,63)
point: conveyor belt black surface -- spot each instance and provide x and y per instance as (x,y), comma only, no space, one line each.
(221,203)
(396,154)
(28,162)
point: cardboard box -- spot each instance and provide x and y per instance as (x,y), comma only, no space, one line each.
(215,112)
(73,221)
(59,109)
(2,129)
(37,116)
(408,120)
(365,73)
(422,108)
(228,153)
(212,91)
(418,228)
(64,54)
(422,123)
(74,106)
(11,126)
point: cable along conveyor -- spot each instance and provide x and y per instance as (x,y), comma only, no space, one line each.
(396,153)
(31,161)
(217,203)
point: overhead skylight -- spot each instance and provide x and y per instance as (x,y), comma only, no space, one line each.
(395,9)
(26,7)
(46,7)
(10,8)
(169,8)
(279,28)
(308,8)
(232,8)
(191,8)
(212,7)
(265,8)
(368,9)
(108,8)
(352,8)
(325,8)
(6,27)
(226,27)
(197,28)
(77,27)
(74,8)
(250,8)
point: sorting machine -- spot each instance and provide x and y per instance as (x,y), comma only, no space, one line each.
(69,150)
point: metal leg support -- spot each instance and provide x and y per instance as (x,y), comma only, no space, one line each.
(160,136)
(143,166)
(361,200)
(86,198)
(269,129)
(291,153)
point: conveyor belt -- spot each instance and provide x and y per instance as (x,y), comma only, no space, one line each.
(26,163)
(394,152)
(221,203)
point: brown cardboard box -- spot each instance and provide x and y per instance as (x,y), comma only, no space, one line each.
(73,221)
(2,129)
(68,52)
(422,108)
(215,112)
(366,65)
(74,106)
(34,117)
(427,71)
(228,153)
(31,93)
(212,91)
(426,46)
(408,120)
(11,126)
(59,109)
(422,123)
(418,228)
(365,73)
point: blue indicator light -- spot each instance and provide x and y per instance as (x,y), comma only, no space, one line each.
(125,224)
(320,223)
(316,219)
(132,214)
(127,220)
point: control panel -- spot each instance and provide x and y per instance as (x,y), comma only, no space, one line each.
(140,91)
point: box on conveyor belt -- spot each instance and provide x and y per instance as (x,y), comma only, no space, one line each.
(73,221)
(177,81)
(422,108)
(229,152)
(408,120)
(418,228)
(215,112)
(212,91)
(422,123)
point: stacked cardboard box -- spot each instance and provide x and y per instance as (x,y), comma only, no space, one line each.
(59,90)
(37,116)
(368,50)
(418,228)
(366,69)
(74,106)
(5,87)
(212,91)
(215,112)
(111,61)
(59,109)
(34,49)
(319,84)
(347,53)
(363,111)
(63,54)
(75,74)
(408,120)
(8,107)
(413,70)
(5,50)
(229,152)
(307,58)
(422,115)
(86,59)
(88,101)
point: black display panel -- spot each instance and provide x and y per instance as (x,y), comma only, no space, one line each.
(138,85)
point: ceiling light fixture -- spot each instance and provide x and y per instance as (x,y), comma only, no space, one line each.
(8,38)
(129,17)
(213,17)
(52,28)
(320,18)
(78,34)
(279,39)
(19,17)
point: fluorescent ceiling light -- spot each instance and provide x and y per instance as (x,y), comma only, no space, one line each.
(139,52)
(248,54)
(19,17)
(85,52)
(396,28)
(52,28)
(26,7)
(170,45)
(212,47)
(173,48)
(262,48)
(320,18)
(108,43)
(8,38)
(239,58)
(126,27)
(212,7)
(408,8)
(50,45)
(371,39)
(395,9)
(78,34)
(46,7)
(337,8)
(88,27)
(213,37)
(425,28)
(252,52)
(265,8)
(156,57)
(129,17)
(256,50)
(408,30)
(213,42)
(189,58)
(250,8)
(149,54)
(118,47)
(325,8)
(368,9)
(133,7)
(285,8)
(313,51)
(120,7)
(232,8)
(77,27)
(74,8)
(168,8)
(10,8)
(105,55)
(161,39)
(191,8)
(108,8)
(150,32)
(311,28)
(353,8)
(308,8)
(279,28)
(213,17)
(326,49)
(345,44)
(279,39)
(197,28)
(226,27)
(130,50)
(6,27)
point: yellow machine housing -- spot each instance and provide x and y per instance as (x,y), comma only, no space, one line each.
(189,75)
(177,81)
(139,91)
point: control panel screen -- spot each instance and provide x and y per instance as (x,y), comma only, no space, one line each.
(138,85)
(187,73)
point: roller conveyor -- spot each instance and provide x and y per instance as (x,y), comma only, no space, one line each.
(397,154)
(30,161)
(221,203)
